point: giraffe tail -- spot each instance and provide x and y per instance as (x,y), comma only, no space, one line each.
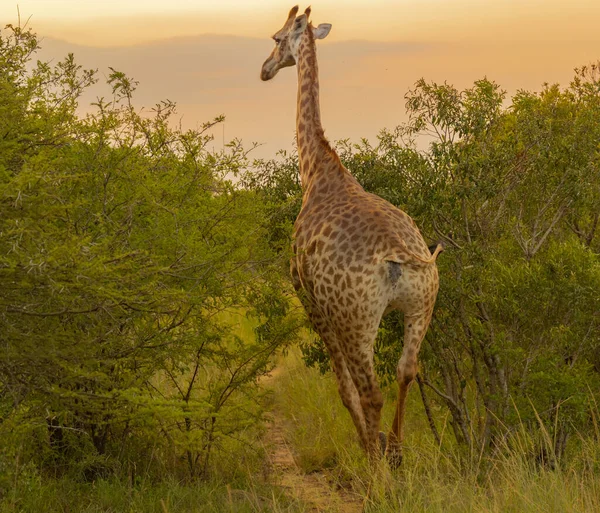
(435,250)
(406,256)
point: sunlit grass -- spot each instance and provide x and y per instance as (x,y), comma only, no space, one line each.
(167,497)
(432,478)
(322,438)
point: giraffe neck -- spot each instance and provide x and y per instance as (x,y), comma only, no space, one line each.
(312,145)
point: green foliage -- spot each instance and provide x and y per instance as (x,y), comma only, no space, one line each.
(278,184)
(144,290)
(127,257)
(517,318)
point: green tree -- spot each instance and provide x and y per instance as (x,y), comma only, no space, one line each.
(127,258)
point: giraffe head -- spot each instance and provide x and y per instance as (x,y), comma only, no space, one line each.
(287,40)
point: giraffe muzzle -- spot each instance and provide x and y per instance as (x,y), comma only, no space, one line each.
(269,70)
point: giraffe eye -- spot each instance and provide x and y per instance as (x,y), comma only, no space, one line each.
(277,40)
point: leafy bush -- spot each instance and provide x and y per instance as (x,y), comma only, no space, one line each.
(128,259)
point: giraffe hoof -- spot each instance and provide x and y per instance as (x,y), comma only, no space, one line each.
(394,459)
(382,442)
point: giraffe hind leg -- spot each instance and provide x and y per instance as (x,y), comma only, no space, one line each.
(415,328)
(346,386)
(361,369)
(350,398)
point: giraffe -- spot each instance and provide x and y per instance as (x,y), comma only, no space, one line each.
(355,256)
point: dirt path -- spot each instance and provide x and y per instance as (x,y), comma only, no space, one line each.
(312,489)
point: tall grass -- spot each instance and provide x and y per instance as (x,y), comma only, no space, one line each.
(432,478)
(113,496)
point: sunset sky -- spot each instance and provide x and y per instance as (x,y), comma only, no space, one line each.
(115,22)
(376,50)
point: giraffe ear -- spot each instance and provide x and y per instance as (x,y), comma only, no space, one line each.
(322,30)
(300,24)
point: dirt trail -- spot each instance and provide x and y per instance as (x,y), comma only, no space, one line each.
(313,489)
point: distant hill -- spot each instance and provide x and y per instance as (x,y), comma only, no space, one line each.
(362,83)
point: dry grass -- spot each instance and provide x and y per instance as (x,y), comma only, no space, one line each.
(431,479)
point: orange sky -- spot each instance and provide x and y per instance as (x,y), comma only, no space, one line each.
(375,52)
(118,22)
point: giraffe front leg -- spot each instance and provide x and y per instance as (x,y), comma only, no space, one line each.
(415,328)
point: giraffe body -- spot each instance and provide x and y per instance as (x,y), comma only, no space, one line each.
(355,255)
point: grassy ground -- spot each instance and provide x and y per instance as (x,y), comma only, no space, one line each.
(432,479)
(320,434)
(112,496)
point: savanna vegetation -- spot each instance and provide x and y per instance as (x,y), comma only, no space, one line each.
(144,293)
